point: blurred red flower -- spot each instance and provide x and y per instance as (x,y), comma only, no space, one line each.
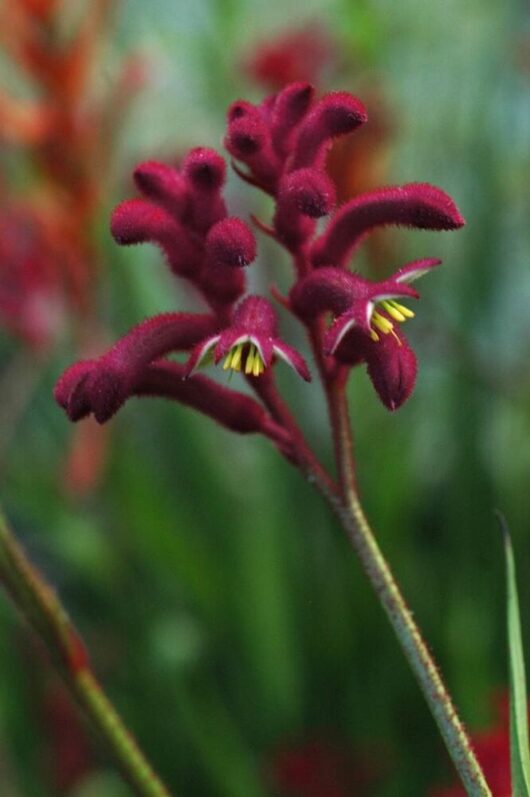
(319,768)
(305,53)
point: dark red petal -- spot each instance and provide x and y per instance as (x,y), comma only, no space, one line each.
(415,269)
(414,205)
(293,358)
(342,326)
(392,367)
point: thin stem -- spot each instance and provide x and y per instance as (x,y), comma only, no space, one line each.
(45,614)
(354,522)
(352,518)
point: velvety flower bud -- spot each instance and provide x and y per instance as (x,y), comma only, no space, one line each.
(413,205)
(302,196)
(101,386)
(290,107)
(392,367)
(163,184)
(231,243)
(68,390)
(334,115)
(135,221)
(205,173)
(248,139)
(390,363)
(205,169)
(138,221)
(247,131)
(80,389)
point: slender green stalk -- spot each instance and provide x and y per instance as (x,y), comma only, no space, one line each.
(354,522)
(41,608)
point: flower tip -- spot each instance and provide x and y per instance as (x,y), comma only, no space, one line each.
(230,242)
(157,180)
(434,210)
(148,174)
(312,190)
(127,223)
(69,393)
(342,112)
(204,168)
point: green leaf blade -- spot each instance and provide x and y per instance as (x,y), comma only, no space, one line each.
(519,746)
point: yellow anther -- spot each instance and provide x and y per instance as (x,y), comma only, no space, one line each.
(374,335)
(249,365)
(392,311)
(257,365)
(228,361)
(382,323)
(402,309)
(236,357)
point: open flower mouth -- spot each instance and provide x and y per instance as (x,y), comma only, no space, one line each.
(397,311)
(245,356)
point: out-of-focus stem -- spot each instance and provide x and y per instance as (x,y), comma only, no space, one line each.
(354,522)
(41,608)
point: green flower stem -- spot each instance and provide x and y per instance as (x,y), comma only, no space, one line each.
(43,611)
(354,522)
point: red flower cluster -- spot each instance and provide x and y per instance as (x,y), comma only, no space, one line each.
(67,134)
(297,54)
(281,147)
(31,302)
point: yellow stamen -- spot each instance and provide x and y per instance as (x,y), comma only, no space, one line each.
(382,323)
(228,361)
(402,309)
(374,335)
(236,357)
(257,364)
(249,365)
(392,311)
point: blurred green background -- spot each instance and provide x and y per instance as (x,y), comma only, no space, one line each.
(225,613)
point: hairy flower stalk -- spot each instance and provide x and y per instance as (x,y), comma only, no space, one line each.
(42,610)
(280,146)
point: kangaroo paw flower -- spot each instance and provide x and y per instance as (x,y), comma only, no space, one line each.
(250,343)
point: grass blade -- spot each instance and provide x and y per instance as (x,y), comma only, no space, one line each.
(519,749)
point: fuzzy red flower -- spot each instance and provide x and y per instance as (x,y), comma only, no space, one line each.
(249,343)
